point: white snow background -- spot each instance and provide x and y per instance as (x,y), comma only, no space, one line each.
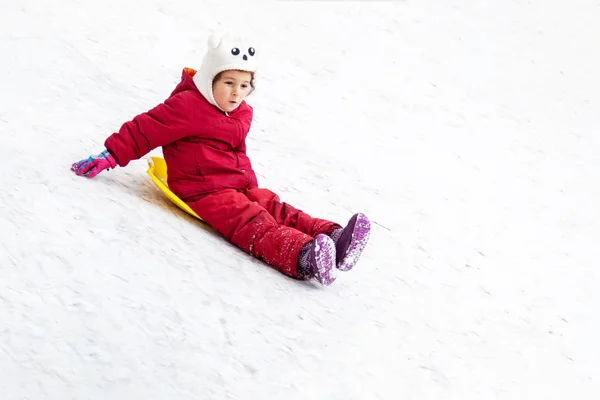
(466,130)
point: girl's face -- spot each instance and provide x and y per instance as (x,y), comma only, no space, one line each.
(231,88)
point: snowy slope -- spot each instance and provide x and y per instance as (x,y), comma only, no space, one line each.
(467,131)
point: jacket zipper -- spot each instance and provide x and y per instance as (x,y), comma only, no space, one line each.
(237,157)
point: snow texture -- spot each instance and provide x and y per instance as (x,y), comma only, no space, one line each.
(465,130)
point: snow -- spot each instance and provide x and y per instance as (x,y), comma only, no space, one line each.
(465,130)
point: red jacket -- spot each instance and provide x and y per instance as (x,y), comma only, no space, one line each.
(204,148)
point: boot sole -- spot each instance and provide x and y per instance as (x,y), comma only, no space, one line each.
(324,258)
(360,237)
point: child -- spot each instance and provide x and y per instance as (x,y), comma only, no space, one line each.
(202,128)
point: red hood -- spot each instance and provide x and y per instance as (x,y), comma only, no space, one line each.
(187,83)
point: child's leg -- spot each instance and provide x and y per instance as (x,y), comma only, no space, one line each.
(287,215)
(349,241)
(252,228)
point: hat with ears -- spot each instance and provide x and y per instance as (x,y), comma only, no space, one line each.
(225,52)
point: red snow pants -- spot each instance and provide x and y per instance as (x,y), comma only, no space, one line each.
(260,224)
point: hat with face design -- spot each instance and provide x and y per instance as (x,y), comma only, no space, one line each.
(225,52)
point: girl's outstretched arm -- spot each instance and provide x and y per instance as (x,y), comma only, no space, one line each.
(164,124)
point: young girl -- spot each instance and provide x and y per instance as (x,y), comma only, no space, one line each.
(202,128)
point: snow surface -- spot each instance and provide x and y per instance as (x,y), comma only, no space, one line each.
(466,130)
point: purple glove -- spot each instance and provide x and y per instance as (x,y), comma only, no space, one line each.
(93,165)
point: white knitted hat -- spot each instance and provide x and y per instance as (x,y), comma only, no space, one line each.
(225,52)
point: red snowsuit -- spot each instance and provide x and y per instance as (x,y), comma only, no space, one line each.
(205,151)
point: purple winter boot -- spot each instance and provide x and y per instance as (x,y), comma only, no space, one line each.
(351,241)
(317,260)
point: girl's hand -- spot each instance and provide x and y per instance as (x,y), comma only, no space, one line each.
(93,165)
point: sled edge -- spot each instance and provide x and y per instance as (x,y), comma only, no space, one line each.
(157,171)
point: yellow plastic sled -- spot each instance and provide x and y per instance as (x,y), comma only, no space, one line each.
(157,170)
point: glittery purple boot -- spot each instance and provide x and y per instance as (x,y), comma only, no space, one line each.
(317,260)
(351,241)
